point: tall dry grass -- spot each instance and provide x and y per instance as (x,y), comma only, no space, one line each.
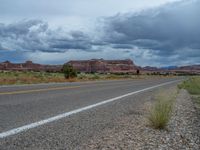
(161,111)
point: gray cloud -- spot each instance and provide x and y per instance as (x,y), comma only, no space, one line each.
(165,30)
(78,40)
(166,35)
(122,46)
(35,35)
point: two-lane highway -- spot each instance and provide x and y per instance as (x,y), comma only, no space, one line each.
(27,111)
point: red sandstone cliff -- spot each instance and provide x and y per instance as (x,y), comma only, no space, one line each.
(88,66)
(29,66)
(104,66)
(99,66)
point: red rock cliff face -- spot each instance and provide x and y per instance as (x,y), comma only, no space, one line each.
(104,66)
(88,66)
(29,66)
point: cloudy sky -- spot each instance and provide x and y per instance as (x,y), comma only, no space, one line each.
(150,32)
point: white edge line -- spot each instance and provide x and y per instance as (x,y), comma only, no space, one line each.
(60,116)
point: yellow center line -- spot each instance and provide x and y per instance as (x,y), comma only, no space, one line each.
(38,90)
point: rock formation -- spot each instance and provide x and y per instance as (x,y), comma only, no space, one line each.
(100,66)
(104,66)
(87,66)
(29,66)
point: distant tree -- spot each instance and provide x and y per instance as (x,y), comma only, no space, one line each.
(69,71)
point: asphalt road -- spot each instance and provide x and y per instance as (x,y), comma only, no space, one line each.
(66,115)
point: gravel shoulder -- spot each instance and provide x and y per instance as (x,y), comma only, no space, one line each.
(133,132)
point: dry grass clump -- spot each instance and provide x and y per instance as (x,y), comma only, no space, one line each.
(160,112)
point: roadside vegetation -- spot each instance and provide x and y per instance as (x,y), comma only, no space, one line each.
(97,76)
(14,77)
(192,85)
(19,77)
(68,75)
(69,71)
(161,110)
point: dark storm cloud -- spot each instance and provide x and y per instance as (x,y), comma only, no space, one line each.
(165,30)
(35,35)
(21,28)
(78,40)
(122,46)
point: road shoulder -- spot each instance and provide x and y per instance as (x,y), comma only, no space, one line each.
(133,131)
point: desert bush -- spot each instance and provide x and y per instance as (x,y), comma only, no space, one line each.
(160,112)
(69,71)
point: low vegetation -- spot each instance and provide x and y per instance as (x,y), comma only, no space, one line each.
(161,110)
(97,76)
(15,77)
(68,75)
(192,85)
(69,71)
(19,77)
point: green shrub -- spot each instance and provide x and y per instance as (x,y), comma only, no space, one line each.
(192,85)
(69,71)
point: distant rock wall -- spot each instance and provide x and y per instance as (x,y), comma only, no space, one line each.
(87,66)
(104,66)
(193,69)
(99,66)
(29,66)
